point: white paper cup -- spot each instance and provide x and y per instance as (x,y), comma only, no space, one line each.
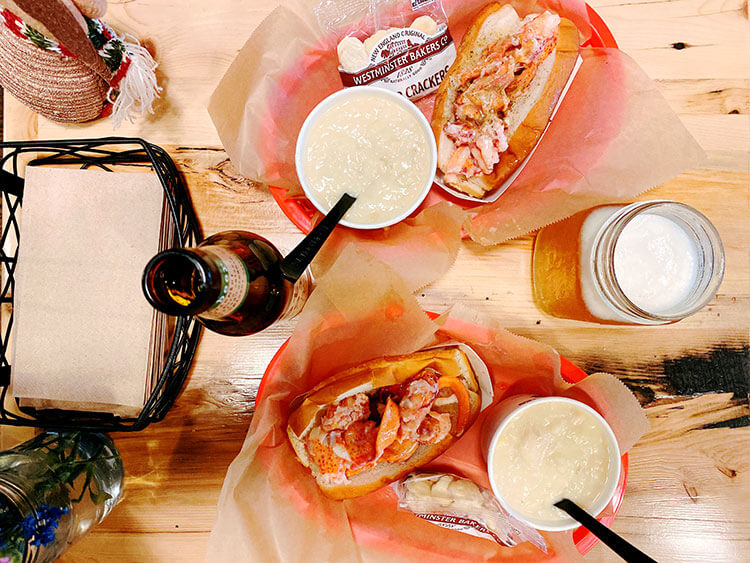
(496,421)
(355,91)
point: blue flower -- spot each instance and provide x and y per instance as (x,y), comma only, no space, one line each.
(39,528)
(28,526)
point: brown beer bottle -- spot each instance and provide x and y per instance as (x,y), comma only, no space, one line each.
(232,282)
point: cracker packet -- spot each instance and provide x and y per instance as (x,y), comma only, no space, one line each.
(459,504)
(400,45)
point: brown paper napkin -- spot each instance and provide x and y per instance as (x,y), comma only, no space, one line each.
(84,333)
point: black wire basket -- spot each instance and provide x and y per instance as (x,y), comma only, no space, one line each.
(102,153)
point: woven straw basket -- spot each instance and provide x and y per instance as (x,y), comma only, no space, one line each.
(58,87)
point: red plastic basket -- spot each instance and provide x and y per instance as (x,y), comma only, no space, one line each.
(583,539)
(302,213)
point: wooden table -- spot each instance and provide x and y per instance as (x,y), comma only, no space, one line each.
(689,483)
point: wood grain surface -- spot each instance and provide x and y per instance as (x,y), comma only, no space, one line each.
(689,482)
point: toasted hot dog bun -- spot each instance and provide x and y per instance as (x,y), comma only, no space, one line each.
(368,377)
(529,113)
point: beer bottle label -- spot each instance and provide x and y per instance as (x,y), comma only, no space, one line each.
(300,293)
(235,283)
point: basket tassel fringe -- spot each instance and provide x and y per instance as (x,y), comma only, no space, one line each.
(136,92)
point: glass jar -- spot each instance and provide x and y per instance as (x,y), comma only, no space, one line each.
(53,489)
(232,282)
(649,263)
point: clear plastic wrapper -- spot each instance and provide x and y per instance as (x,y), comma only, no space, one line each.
(399,45)
(455,503)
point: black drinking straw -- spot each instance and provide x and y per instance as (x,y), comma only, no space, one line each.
(617,544)
(298,259)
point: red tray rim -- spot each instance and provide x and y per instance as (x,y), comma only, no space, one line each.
(301,212)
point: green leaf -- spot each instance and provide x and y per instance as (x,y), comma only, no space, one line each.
(96,37)
(70,443)
(44,486)
(37,38)
(100,497)
(61,461)
(63,476)
(76,472)
(51,458)
(86,484)
(113,55)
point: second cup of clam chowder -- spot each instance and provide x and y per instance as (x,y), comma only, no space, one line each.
(542,449)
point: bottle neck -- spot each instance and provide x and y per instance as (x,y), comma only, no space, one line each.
(183,281)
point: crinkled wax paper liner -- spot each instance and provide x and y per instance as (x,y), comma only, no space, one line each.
(613,137)
(270,508)
(422,249)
